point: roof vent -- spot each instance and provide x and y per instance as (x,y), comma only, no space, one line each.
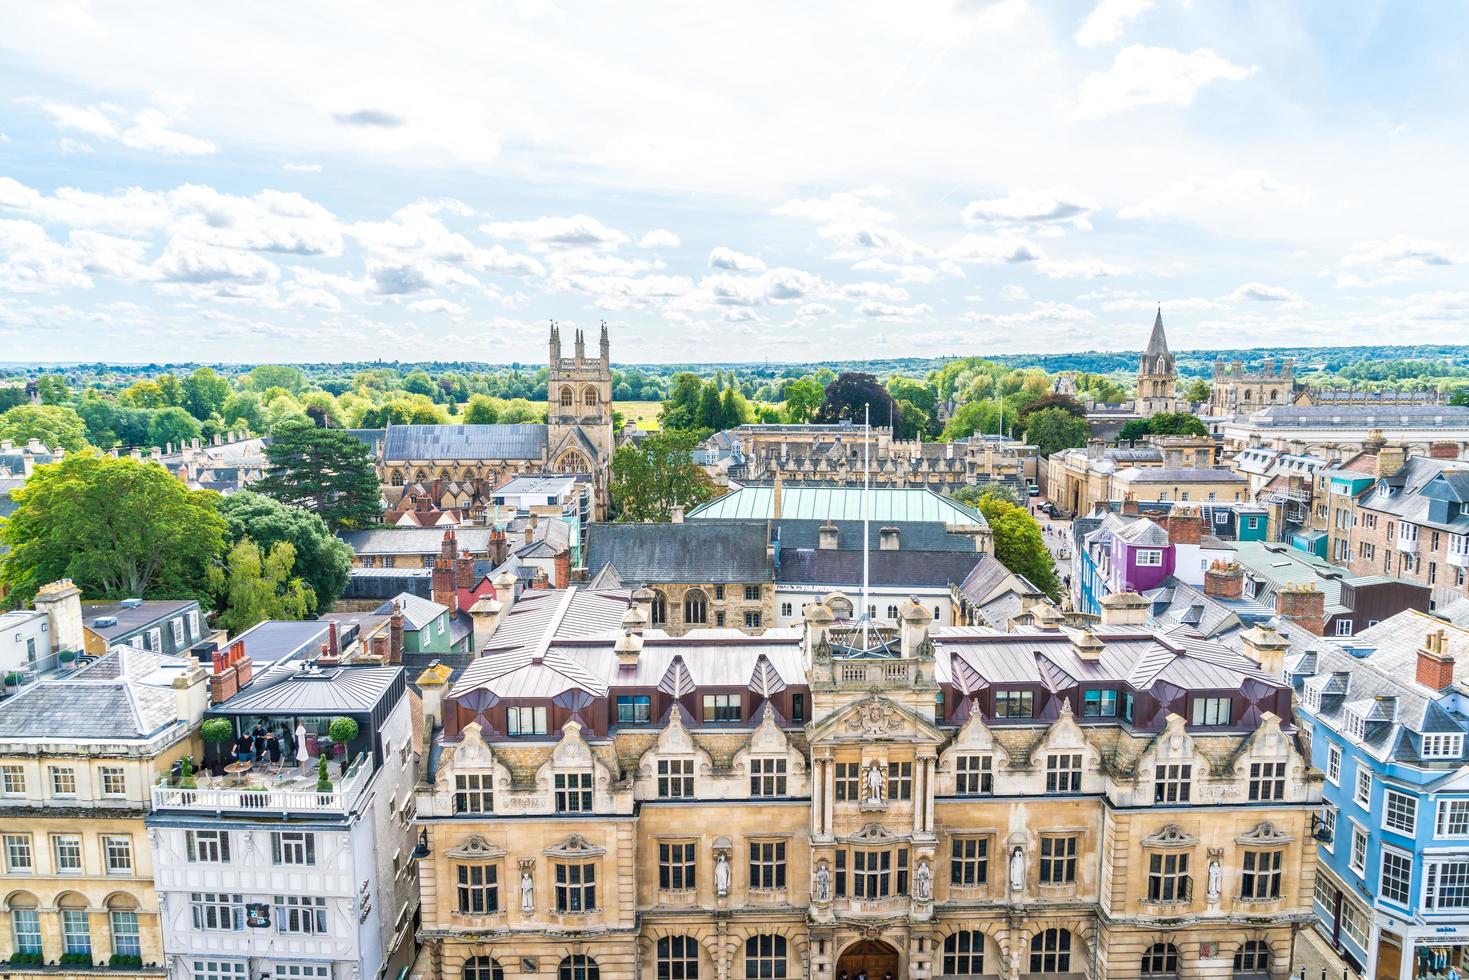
(130,603)
(105,621)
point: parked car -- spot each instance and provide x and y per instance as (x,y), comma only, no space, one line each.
(1032,490)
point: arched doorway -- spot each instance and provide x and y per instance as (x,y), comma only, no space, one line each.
(872,957)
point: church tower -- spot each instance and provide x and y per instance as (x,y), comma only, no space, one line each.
(579,412)
(1157,376)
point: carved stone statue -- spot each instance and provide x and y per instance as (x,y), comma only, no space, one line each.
(1216,878)
(821,885)
(876,781)
(1017,869)
(721,875)
(527,893)
(923,883)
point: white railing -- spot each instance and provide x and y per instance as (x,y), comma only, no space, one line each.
(302,796)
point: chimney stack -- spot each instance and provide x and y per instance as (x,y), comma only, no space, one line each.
(1185,525)
(1390,460)
(1224,580)
(395,635)
(826,536)
(775,497)
(1129,504)
(1124,609)
(1086,646)
(1435,663)
(1303,604)
(914,628)
(627,648)
(1266,647)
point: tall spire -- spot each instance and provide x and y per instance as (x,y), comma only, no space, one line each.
(1157,343)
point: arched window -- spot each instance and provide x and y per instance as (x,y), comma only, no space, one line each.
(1050,952)
(765,958)
(420,477)
(483,968)
(397,478)
(678,958)
(660,609)
(25,921)
(76,931)
(1160,960)
(122,922)
(892,612)
(589,397)
(567,397)
(964,954)
(695,607)
(1253,957)
(578,966)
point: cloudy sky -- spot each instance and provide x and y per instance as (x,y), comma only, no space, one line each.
(323,181)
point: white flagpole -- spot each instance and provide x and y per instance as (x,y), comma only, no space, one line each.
(866,481)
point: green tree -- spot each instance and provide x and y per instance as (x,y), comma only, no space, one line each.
(923,396)
(1050,400)
(852,392)
(973,496)
(322,560)
(481,410)
(116,527)
(802,398)
(171,391)
(204,393)
(253,587)
(53,389)
(1198,390)
(1164,424)
(1053,429)
(54,425)
(277,376)
(989,416)
(326,471)
(650,479)
(243,409)
(1019,544)
(912,421)
(142,394)
(419,383)
(711,412)
(172,426)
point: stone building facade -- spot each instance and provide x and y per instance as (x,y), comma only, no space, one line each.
(611,802)
(1236,391)
(1157,375)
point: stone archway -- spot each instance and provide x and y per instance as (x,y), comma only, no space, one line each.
(870,957)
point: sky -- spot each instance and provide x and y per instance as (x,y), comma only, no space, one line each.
(734,182)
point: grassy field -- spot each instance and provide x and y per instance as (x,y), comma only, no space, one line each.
(645,414)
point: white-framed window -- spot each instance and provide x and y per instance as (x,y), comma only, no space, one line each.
(1211,711)
(1343,627)
(1363,793)
(67,849)
(177,626)
(675,779)
(114,781)
(573,792)
(1063,773)
(303,914)
(19,858)
(76,932)
(1354,922)
(1354,726)
(785,609)
(12,781)
(26,924)
(220,970)
(127,939)
(1442,746)
(1399,812)
(303,971)
(155,639)
(217,912)
(1453,819)
(974,775)
(118,851)
(193,624)
(207,846)
(1357,861)
(1446,885)
(1149,558)
(1396,881)
(292,847)
(1328,827)
(1333,765)
(63,781)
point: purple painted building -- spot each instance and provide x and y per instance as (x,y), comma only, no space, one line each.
(1139,557)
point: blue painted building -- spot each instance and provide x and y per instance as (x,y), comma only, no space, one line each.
(1387,712)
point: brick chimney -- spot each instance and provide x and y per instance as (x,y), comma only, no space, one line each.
(1435,663)
(464,571)
(1443,450)
(563,568)
(1129,504)
(231,671)
(1390,459)
(333,640)
(1224,580)
(1303,604)
(1184,526)
(443,577)
(395,635)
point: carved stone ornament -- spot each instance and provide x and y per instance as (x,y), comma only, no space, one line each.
(575,846)
(475,848)
(874,717)
(872,833)
(1265,833)
(1170,836)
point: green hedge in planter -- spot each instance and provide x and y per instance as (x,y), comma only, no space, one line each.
(14,678)
(75,959)
(323,785)
(124,961)
(66,656)
(217,730)
(25,959)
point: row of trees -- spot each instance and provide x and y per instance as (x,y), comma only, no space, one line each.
(120,527)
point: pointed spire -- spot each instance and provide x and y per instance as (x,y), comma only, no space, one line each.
(1157,343)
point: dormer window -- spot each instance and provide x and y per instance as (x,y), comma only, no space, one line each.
(1149,558)
(1442,746)
(1311,697)
(1014,704)
(1354,726)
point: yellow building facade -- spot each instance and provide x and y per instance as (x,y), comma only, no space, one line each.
(913,802)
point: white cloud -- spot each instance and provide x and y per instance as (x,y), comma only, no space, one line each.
(437,306)
(992,250)
(873,291)
(1015,294)
(1047,312)
(659,238)
(1143,76)
(1403,250)
(1107,19)
(1194,196)
(90,119)
(1031,207)
(151,130)
(196,263)
(31,261)
(302,168)
(1081,268)
(727,258)
(1259,292)
(576,231)
(73,147)
(813,310)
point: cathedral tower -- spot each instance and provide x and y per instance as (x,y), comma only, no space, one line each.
(579,410)
(1157,376)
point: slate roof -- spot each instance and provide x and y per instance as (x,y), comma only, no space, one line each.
(385,583)
(418,612)
(130,619)
(886,505)
(1159,474)
(467,442)
(901,568)
(415,540)
(124,695)
(917,535)
(717,552)
(1421,484)
(337,689)
(1357,416)
(274,641)
(1157,341)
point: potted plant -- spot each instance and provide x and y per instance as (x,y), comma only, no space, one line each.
(186,774)
(76,959)
(217,732)
(14,678)
(125,961)
(25,959)
(67,656)
(323,785)
(342,731)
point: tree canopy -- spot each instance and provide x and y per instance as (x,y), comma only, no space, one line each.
(172,426)
(650,479)
(204,393)
(853,391)
(1053,429)
(802,398)
(326,471)
(254,587)
(1165,424)
(322,560)
(118,528)
(1019,544)
(54,425)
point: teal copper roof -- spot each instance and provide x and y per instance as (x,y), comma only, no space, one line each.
(839,504)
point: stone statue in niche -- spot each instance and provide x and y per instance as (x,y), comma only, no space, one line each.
(821,885)
(1216,876)
(721,875)
(527,893)
(1017,869)
(923,883)
(876,781)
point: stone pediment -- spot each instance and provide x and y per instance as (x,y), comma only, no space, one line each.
(873,833)
(875,718)
(575,846)
(475,848)
(1264,834)
(1170,836)
(572,752)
